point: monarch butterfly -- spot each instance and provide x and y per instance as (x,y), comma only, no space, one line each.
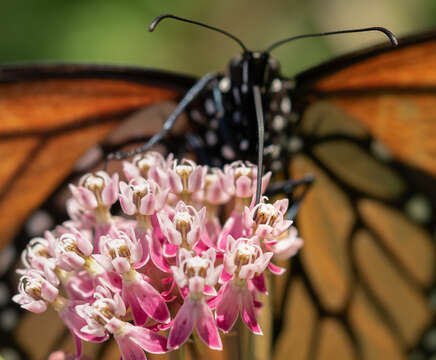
(362,124)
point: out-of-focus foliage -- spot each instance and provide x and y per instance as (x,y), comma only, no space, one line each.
(114,31)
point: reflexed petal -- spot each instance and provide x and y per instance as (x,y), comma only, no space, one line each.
(156,254)
(147,339)
(183,325)
(248,313)
(36,307)
(139,315)
(276,270)
(206,327)
(151,301)
(78,346)
(259,283)
(227,308)
(129,350)
(262,262)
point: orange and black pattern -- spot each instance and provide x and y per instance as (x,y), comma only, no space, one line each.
(363,287)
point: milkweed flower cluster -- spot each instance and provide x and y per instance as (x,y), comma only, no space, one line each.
(168,264)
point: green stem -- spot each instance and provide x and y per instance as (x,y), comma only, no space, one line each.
(178,354)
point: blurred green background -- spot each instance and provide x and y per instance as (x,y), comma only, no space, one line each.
(115,31)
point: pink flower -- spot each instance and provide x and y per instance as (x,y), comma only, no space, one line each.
(244,258)
(94,269)
(123,253)
(235,298)
(98,313)
(35,291)
(97,192)
(133,340)
(242,262)
(74,252)
(102,318)
(73,249)
(213,192)
(81,217)
(187,177)
(288,245)
(140,196)
(38,255)
(185,228)
(195,273)
(150,165)
(239,179)
(266,220)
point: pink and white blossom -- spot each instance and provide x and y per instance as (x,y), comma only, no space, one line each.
(35,292)
(140,196)
(239,179)
(243,261)
(103,318)
(186,178)
(189,251)
(185,227)
(151,166)
(97,192)
(266,221)
(195,273)
(123,253)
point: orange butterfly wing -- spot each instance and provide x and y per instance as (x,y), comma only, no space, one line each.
(51,115)
(392,91)
(360,286)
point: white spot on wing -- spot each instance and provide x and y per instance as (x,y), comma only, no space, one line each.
(8,319)
(228,152)
(7,256)
(418,207)
(295,144)
(285,105)
(89,159)
(211,138)
(278,122)
(39,222)
(380,151)
(276,85)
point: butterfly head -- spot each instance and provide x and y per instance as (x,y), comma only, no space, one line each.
(253,68)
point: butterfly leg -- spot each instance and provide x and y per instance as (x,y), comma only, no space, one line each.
(288,187)
(169,123)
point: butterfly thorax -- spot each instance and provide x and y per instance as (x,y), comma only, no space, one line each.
(229,117)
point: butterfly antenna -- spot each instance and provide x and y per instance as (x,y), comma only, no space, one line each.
(260,136)
(168,124)
(158,19)
(389,34)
